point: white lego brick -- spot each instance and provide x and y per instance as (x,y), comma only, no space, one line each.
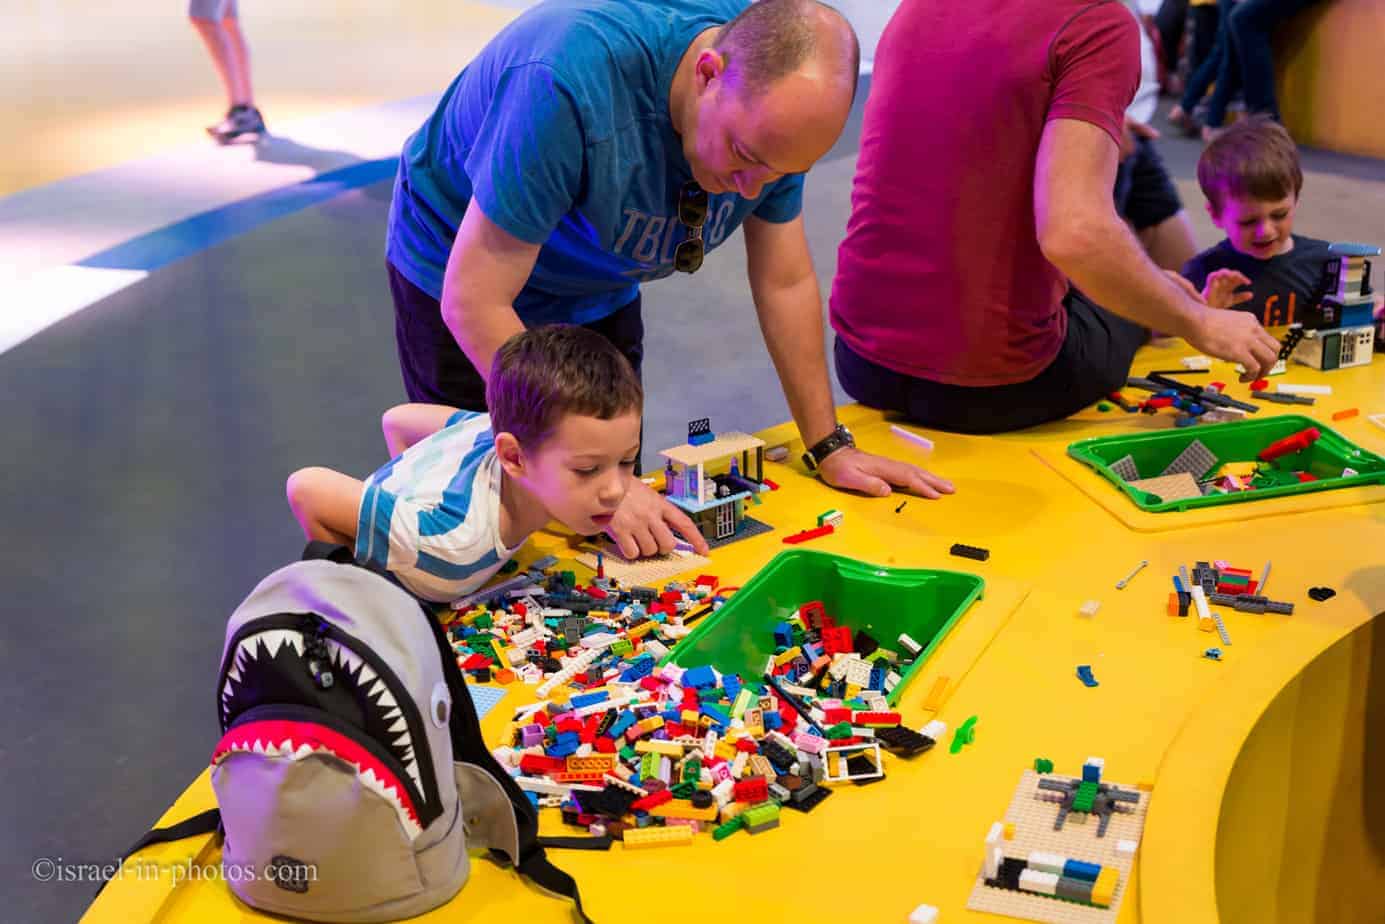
(911,647)
(722,791)
(506,755)
(1127,847)
(1289,388)
(924,914)
(994,857)
(993,836)
(1196,362)
(550,788)
(1047,862)
(1200,601)
(1031,880)
(1089,608)
(1098,762)
(934,729)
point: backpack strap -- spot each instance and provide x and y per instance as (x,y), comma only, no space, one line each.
(201,823)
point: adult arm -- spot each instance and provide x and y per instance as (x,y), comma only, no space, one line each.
(1080,233)
(788,304)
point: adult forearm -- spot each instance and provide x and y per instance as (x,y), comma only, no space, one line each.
(791,321)
(479,327)
(1106,261)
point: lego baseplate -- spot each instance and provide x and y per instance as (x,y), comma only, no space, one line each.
(650,571)
(749,527)
(1170,487)
(1033,819)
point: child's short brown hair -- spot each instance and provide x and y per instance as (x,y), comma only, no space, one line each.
(1253,158)
(544,373)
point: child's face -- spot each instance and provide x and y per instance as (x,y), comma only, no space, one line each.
(1256,227)
(582,471)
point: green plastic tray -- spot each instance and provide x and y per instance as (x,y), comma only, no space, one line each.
(1238,441)
(739,637)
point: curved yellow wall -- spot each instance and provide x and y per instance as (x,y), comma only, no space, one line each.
(1301,834)
(1331,82)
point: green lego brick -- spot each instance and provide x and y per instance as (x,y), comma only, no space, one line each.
(840,730)
(1043,765)
(622,647)
(763,813)
(724,831)
(483,621)
(692,771)
(683,790)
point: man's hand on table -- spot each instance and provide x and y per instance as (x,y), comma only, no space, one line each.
(644,524)
(852,469)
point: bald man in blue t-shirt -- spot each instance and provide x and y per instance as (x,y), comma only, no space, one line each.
(595,145)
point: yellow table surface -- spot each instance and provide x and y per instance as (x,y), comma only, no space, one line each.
(1162,712)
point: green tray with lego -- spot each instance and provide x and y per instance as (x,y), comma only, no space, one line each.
(1229,463)
(885,602)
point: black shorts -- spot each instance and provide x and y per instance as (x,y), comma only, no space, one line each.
(1145,196)
(1093,361)
(435,369)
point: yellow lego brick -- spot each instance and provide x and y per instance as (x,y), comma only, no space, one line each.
(1008,832)
(680,809)
(659,747)
(785,657)
(599,614)
(1105,889)
(742,703)
(762,767)
(852,691)
(560,694)
(671,836)
(934,700)
(641,630)
(1206,625)
(688,716)
(1237,469)
(501,657)
(726,750)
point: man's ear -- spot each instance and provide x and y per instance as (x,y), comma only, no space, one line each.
(710,65)
(510,454)
(1211,209)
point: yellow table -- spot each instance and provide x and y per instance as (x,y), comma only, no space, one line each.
(1269,791)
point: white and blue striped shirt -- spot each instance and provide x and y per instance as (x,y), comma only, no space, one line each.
(431,516)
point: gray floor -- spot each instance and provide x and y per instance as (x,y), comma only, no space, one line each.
(147,442)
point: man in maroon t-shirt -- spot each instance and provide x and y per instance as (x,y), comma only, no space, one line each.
(982,204)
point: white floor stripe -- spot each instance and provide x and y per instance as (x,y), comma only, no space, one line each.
(31,303)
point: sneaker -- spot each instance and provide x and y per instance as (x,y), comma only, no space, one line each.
(1186,123)
(242,124)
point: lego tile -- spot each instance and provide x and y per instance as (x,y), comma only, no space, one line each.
(1125,467)
(1033,821)
(1196,459)
(749,527)
(654,570)
(1170,487)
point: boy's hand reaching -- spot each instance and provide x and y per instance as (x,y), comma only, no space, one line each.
(645,522)
(1220,290)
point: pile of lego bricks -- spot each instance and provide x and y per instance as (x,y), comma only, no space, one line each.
(543,629)
(653,755)
(1197,472)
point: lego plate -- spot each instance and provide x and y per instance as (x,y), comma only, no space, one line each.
(883,601)
(1201,450)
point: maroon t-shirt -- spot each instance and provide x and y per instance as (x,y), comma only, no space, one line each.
(940,275)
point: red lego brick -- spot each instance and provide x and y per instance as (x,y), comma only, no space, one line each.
(650,684)
(837,714)
(604,745)
(537,763)
(596,593)
(746,745)
(807,534)
(707,580)
(752,789)
(836,640)
(670,598)
(653,800)
(771,485)
(1260,385)
(519,609)
(811,613)
(875,718)
(1289,445)
(476,662)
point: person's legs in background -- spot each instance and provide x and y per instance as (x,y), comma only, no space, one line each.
(1181,114)
(1171,22)
(1151,206)
(1251,27)
(218,23)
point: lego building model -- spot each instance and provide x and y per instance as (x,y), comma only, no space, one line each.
(1065,849)
(1342,332)
(716,501)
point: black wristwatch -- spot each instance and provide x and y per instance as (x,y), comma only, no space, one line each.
(829,444)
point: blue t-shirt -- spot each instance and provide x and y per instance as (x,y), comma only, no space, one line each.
(560,131)
(1284,287)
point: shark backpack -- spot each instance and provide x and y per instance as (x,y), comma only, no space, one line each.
(351,777)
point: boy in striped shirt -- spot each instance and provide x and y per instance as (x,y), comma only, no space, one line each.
(465,490)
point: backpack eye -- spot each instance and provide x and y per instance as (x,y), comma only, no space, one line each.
(441,705)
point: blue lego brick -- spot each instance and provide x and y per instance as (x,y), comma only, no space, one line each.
(731,683)
(698,677)
(1084,673)
(877,678)
(701,439)
(715,714)
(672,715)
(621,725)
(588,699)
(1076,869)
(1091,773)
(783,635)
